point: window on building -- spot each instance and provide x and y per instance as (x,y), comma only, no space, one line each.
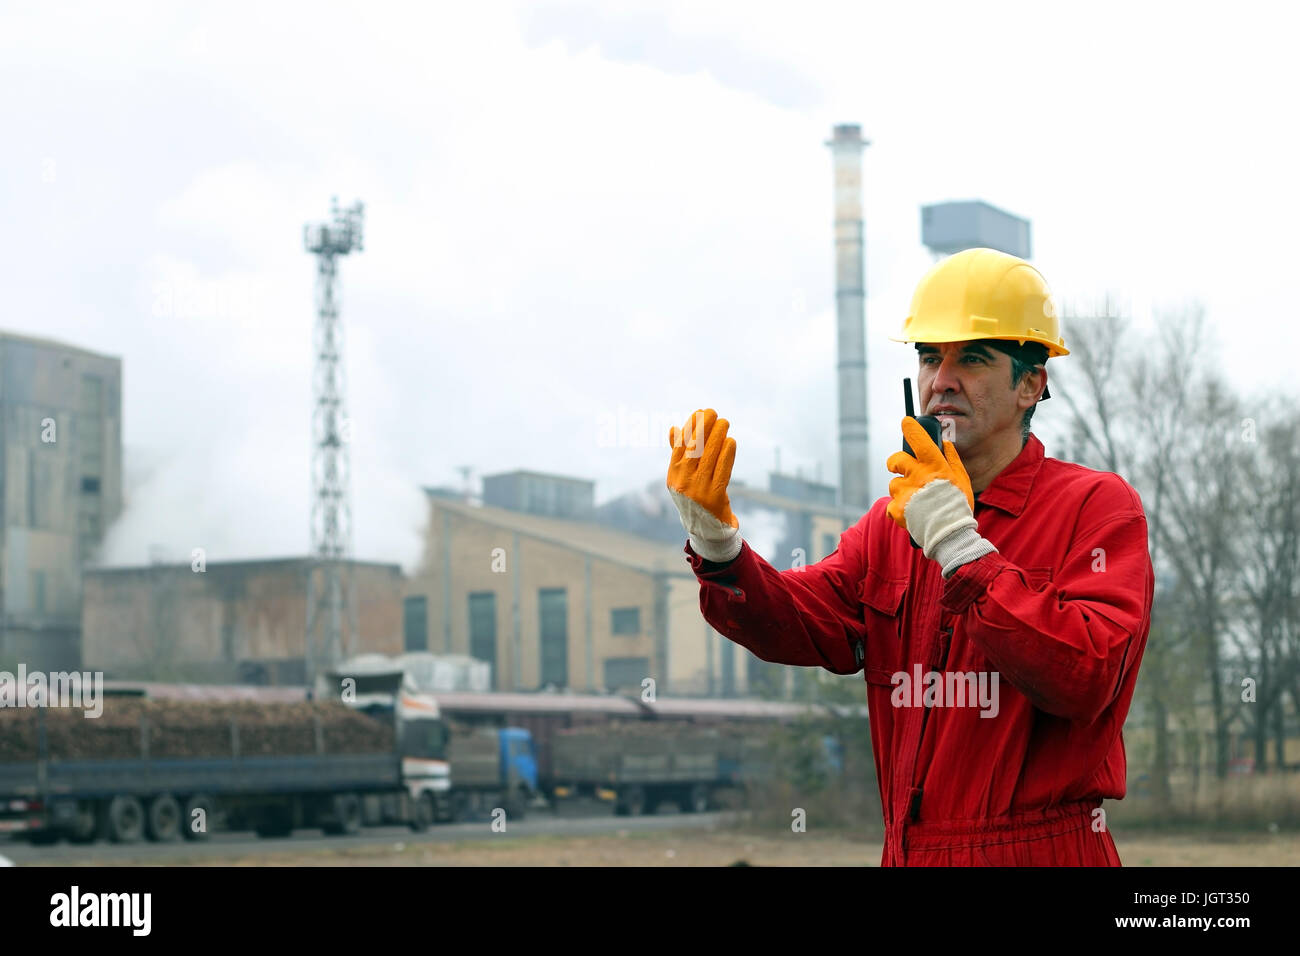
(415,623)
(727,651)
(90,436)
(483,628)
(829,543)
(553,614)
(625,620)
(89,485)
(626,672)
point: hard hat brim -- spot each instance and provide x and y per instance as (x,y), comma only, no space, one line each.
(1054,349)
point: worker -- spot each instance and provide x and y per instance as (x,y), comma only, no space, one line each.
(1000,651)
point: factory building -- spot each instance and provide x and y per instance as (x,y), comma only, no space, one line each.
(590,605)
(231,622)
(550,601)
(61,445)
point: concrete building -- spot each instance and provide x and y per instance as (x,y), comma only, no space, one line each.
(61,467)
(233,622)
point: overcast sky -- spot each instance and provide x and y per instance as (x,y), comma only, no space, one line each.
(578,210)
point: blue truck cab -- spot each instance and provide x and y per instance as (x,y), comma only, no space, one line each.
(518,758)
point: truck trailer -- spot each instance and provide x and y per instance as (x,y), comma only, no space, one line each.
(168,770)
(639,766)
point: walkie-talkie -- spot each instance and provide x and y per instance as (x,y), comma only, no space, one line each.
(933,427)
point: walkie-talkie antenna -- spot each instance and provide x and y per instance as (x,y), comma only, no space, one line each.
(908,408)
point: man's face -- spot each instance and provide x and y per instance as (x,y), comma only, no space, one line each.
(967,386)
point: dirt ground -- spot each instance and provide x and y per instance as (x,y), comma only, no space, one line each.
(720,848)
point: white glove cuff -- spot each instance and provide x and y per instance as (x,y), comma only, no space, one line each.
(718,553)
(939,518)
(936,511)
(710,538)
(961,547)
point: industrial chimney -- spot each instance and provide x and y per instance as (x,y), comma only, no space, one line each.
(846,145)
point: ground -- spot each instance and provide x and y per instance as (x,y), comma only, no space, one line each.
(721,848)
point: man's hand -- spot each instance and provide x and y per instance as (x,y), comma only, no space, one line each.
(933,501)
(698,474)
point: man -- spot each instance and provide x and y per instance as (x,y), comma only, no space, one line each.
(1000,655)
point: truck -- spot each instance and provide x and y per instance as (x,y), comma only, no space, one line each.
(492,767)
(167,770)
(639,766)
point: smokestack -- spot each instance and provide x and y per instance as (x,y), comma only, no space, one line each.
(846,145)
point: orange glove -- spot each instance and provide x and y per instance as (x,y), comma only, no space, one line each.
(933,500)
(928,465)
(698,474)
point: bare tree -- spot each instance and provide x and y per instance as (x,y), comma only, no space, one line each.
(1128,398)
(1200,535)
(1270,569)
(1098,410)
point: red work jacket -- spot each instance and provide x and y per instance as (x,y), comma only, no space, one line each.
(1059,613)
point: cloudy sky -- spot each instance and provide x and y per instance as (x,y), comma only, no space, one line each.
(580,213)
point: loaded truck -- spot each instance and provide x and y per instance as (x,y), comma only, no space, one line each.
(639,766)
(491,767)
(169,769)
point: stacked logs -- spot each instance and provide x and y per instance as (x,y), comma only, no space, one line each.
(192,729)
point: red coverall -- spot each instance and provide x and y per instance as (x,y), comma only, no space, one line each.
(1060,612)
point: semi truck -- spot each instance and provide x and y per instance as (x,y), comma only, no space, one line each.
(171,770)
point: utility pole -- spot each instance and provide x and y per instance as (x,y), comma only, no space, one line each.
(331,598)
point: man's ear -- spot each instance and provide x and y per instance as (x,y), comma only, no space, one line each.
(1032,386)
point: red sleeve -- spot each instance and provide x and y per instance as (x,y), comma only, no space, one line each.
(1070,645)
(810,616)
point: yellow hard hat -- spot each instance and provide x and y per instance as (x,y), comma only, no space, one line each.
(984,294)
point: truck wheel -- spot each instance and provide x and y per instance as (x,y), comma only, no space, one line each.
(425,812)
(345,815)
(698,800)
(124,819)
(163,824)
(274,822)
(458,807)
(631,802)
(198,827)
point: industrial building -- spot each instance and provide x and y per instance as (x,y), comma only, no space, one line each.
(231,622)
(61,442)
(559,602)
(590,605)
